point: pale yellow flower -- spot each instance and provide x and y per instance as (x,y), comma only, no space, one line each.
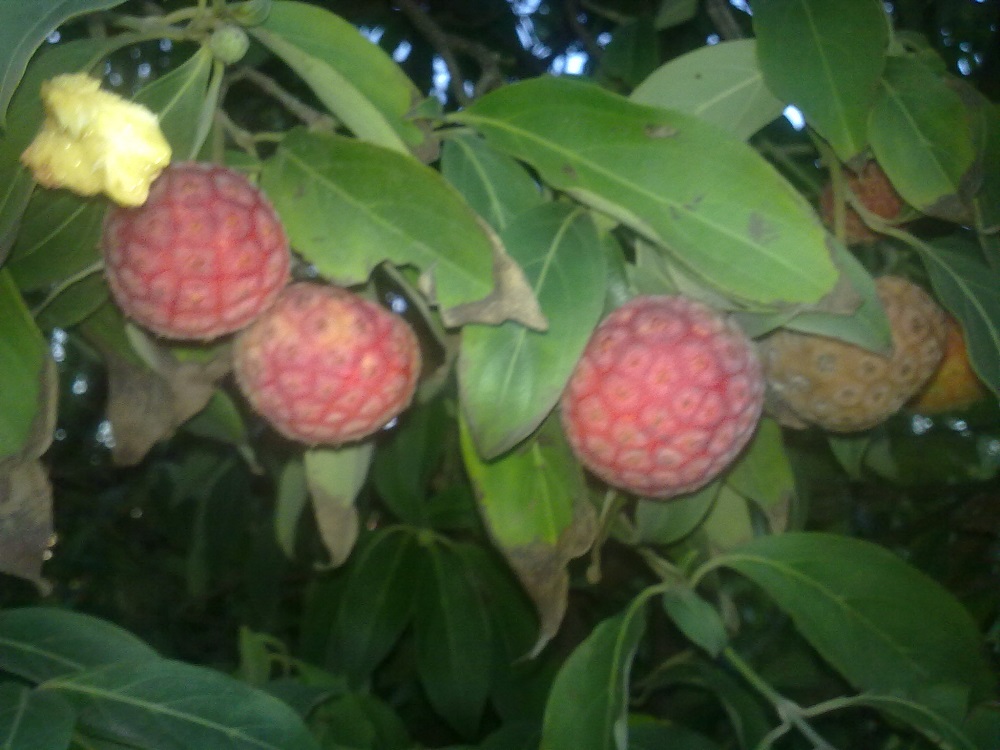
(93,141)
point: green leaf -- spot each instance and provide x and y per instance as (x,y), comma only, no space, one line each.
(646,734)
(292,498)
(721,84)
(921,136)
(588,706)
(881,623)
(509,377)
(968,288)
(353,77)
(764,474)
(696,618)
(73,304)
(23,28)
(357,720)
(377,602)
(178,98)
(335,476)
(494,184)
(631,55)
(987,200)
(935,725)
(533,502)
(30,720)
(348,206)
(23,357)
(802,53)
(659,522)
(169,705)
(674,13)
(453,640)
(42,643)
(733,220)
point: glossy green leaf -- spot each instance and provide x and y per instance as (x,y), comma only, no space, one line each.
(658,522)
(377,602)
(42,643)
(588,706)
(23,354)
(721,84)
(732,220)
(921,136)
(353,77)
(178,98)
(698,620)
(805,61)
(884,625)
(494,184)
(335,476)
(968,288)
(533,502)
(169,705)
(31,720)
(453,640)
(23,28)
(348,206)
(509,377)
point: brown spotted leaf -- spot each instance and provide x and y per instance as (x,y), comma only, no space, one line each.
(25,520)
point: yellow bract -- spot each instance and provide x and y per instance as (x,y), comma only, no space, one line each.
(93,141)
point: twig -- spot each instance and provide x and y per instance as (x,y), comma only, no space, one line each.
(721,13)
(488,60)
(441,42)
(309,115)
(583,34)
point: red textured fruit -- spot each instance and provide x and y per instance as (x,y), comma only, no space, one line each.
(664,397)
(202,257)
(323,365)
(874,191)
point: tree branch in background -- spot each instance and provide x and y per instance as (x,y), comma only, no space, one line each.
(441,42)
(721,13)
(573,11)
(310,116)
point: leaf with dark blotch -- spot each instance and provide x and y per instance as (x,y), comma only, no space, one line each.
(588,706)
(348,206)
(721,84)
(25,520)
(32,720)
(509,377)
(824,58)
(534,503)
(922,136)
(968,288)
(732,220)
(335,476)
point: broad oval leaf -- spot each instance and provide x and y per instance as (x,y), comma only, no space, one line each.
(712,202)
(968,288)
(349,205)
(173,706)
(698,620)
(335,476)
(534,503)
(32,720)
(178,98)
(494,184)
(42,643)
(881,623)
(23,28)
(23,358)
(720,83)
(588,706)
(657,522)
(509,377)
(377,602)
(921,134)
(764,475)
(353,77)
(453,640)
(826,59)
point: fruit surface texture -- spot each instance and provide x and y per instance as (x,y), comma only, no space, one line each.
(873,190)
(664,397)
(325,366)
(201,258)
(845,388)
(954,385)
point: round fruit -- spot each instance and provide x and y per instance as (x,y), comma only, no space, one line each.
(202,257)
(842,387)
(874,191)
(665,395)
(954,384)
(325,366)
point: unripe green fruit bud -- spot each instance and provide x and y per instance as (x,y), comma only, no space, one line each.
(251,12)
(229,44)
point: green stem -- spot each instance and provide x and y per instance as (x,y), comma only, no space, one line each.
(66,284)
(613,502)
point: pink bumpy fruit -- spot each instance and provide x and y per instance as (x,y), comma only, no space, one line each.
(325,366)
(665,396)
(202,257)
